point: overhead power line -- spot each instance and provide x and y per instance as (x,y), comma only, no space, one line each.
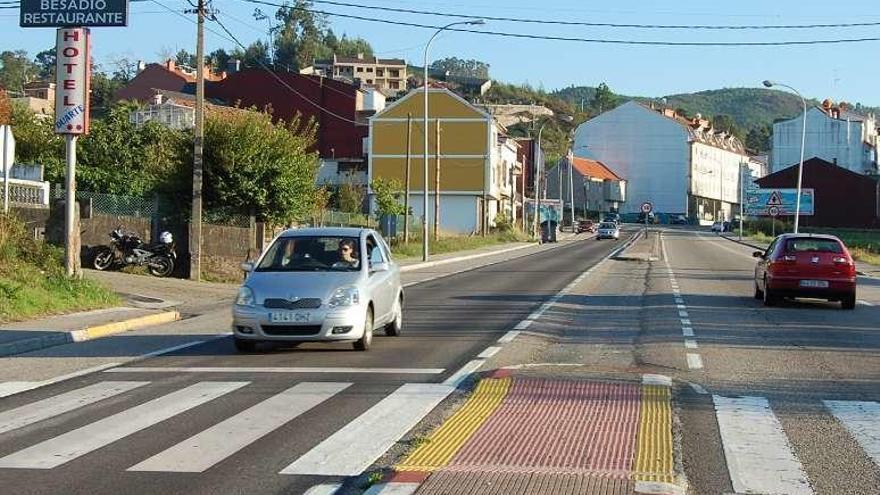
(576,39)
(280,80)
(598,24)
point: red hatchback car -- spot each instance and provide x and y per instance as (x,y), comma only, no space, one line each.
(806,265)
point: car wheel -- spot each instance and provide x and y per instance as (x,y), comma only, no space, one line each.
(758,293)
(769,298)
(394,328)
(242,345)
(848,302)
(363,343)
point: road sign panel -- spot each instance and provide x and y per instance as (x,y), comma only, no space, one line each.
(80,13)
(758,201)
(775,199)
(773,211)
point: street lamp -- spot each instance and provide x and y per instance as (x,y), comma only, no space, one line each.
(797,208)
(539,162)
(425,144)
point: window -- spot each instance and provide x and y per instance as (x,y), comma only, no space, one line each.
(369,81)
(309,254)
(810,245)
(374,252)
(369,69)
(380,72)
(395,73)
(394,85)
(360,69)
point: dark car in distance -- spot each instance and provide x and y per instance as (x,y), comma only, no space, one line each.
(586,226)
(806,265)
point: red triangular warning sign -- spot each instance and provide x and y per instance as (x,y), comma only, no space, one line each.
(775,199)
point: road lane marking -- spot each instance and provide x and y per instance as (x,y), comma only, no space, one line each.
(654,379)
(865,303)
(759,456)
(695,362)
(680,306)
(679,300)
(862,419)
(683,314)
(698,388)
(508,337)
(393,488)
(356,446)
(325,489)
(60,404)
(18,387)
(271,369)
(465,371)
(685,321)
(687,331)
(68,446)
(523,325)
(489,352)
(690,343)
(205,449)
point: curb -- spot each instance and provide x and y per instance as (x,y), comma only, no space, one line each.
(94,332)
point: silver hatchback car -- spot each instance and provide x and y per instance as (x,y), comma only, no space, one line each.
(321,284)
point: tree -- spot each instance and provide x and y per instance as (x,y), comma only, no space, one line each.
(387,193)
(460,67)
(352,47)
(604,99)
(350,196)
(183,57)
(45,63)
(5,108)
(102,91)
(759,139)
(299,36)
(252,164)
(37,143)
(726,123)
(219,59)
(255,56)
(125,69)
(16,70)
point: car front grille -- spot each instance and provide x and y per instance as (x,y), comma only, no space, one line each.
(292,330)
(305,303)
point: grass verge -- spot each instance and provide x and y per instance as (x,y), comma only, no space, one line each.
(453,243)
(33,282)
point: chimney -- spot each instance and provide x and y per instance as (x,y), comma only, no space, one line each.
(170,65)
(141,65)
(157,99)
(360,55)
(233,66)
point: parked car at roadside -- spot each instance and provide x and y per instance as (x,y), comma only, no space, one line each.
(322,284)
(679,220)
(806,265)
(608,230)
(718,227)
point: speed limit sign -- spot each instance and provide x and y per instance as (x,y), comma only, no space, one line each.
(647,207)
(773,211)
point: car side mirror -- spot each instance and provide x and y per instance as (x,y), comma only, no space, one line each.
(378,267)
(758,254)
(247,266)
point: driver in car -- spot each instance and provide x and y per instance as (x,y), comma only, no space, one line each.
(347,255)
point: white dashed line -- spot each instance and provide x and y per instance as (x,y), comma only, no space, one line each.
(695,362)
(687,331)
(508,337)
(685,322)
(683,314)
(690,343)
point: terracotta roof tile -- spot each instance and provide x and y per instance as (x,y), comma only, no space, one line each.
(593,168)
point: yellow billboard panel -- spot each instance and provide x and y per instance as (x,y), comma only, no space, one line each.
(456,137)
(456,174)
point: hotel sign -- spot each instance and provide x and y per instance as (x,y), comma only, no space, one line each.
(63,13)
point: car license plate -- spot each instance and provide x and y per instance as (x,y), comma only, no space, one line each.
(815,284)
(289,317)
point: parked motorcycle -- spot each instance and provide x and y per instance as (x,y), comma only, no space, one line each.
(127,248)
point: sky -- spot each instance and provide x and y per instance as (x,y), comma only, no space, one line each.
(844,72)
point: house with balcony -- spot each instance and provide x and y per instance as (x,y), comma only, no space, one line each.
(680,165)
(475,159)
(385,74)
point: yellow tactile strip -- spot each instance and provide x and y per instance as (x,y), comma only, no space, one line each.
(444,442)
(654,448)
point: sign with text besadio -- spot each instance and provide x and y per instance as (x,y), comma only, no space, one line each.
(60,13)
(72,81)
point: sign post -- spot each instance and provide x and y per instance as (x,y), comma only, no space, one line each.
(8,149)
(646,208)
(72,119)
(773,211)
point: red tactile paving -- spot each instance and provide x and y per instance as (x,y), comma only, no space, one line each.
(556,426)
(475,483)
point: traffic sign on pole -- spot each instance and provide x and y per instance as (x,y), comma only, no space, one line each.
(647,207)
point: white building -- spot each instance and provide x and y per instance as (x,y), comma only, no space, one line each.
(834,134)
(681,166)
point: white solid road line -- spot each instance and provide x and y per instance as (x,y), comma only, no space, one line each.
(356,446)
(203,450)
(12,388)
(523,325)
(465,371)
(60,404)
(270,369)
(862,419)
(695,362)
(759,457)
(326,489)
(393,488)
(64,448)
(508,337)
(489,352)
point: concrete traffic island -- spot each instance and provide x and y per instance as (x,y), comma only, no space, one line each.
(646,248)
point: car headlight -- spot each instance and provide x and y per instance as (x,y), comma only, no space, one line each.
(344,296)
(245,297)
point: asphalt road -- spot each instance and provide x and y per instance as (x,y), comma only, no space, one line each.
(81,436)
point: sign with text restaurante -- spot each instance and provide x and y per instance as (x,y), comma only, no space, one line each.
(72,81)
(59,13)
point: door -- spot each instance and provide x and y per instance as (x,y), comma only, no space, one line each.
(380,282)
(761,267)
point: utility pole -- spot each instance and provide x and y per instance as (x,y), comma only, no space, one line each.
(195,224)
(408,161)
(437,182)
(571,188)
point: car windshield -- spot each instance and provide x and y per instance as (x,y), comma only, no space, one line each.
(608,226)
(809,245)
(311,254)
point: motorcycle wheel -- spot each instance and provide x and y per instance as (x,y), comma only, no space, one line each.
(103,259)
(161,266)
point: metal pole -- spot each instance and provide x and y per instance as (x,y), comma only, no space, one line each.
(571,190)
(71,230)
(437,182)
(539,164)
(407,174)
(797,208)
(6,166)
(195,226)
(742,199)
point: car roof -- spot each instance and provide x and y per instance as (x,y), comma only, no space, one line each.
(326,231)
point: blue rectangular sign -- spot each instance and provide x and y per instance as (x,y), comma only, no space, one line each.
(763,202)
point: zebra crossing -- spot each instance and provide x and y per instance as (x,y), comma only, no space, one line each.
(759,454)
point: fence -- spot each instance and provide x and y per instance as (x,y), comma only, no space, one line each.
(330,218)
(27,192)
(113,204)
